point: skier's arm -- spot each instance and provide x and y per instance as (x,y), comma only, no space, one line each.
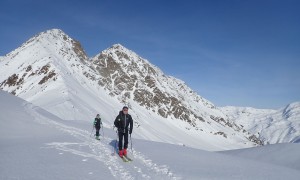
(94,122)
(131,125)
(116,123)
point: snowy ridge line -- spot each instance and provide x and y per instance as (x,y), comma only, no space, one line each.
(101,151)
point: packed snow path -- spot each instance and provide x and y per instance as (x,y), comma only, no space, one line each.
(104,151)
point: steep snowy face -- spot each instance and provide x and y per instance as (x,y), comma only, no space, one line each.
(133,79)
(291,111)
(41,59)
(43,68)
(272,126)
(282,126)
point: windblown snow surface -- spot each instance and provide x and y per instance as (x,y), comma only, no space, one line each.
(36,144)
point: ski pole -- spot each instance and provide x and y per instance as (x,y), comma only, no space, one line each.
(103,131)
(92,131)
(131,144)
(116,147)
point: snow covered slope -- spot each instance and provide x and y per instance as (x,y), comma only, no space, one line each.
(48,71)
(51,70)
(282,154)
(272,126)
(36,144)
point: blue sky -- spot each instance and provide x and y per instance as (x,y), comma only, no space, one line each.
(235,52)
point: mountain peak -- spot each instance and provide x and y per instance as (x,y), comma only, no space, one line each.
(118,46)
(53,41)
(53,33)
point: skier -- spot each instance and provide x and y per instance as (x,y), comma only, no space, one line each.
(122,121)
(97,125)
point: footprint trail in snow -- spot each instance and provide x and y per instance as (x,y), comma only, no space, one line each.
(141,167)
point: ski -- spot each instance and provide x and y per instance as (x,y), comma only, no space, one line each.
(129,159)
(97,137)
(124,159)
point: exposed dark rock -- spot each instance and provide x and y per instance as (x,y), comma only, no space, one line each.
(10,81)
(256,140)
(44,69)
(79,50)
(29,68)
(221,133)
(47,77)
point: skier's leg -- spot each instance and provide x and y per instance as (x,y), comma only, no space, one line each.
(120,140)
(120,144)
(97,131)
(126,140)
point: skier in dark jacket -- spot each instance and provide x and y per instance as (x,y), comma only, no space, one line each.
(122,122)
(97,125)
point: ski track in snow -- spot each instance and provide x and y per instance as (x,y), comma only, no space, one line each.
(104,152)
